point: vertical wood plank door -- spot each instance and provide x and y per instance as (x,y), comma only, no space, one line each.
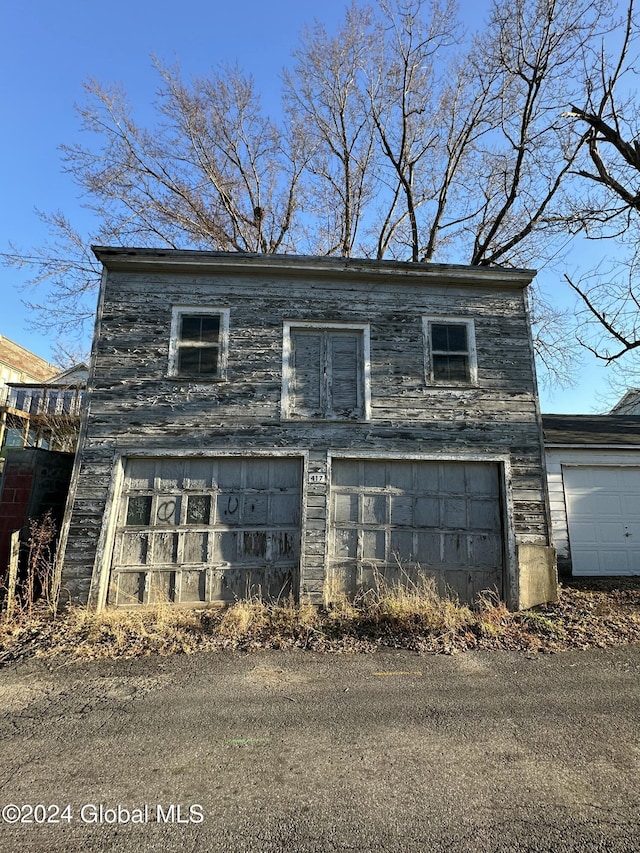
(400,521)
(199,530)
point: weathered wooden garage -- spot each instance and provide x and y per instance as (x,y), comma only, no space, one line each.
(274,425)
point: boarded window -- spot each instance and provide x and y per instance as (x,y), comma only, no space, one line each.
(326,373)
(450,351)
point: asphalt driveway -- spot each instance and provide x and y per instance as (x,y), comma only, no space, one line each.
(307,752)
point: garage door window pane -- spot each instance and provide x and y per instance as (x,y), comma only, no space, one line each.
(374,509)
(346,543)
(373,545)
(167,510)
(139,511)
(198,509)
(165,547)
(345,507)
(195,547)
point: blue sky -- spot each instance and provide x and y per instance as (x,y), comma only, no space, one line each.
(49,49)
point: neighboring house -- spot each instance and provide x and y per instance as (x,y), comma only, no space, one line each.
(263,424)
(629,404)
(593,468)
(18,364)
(43,414)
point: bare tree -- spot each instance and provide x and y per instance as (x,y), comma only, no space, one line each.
(401,136)
(63,285)
(534,50)
(404,80)
(327,107)
(214,173)
(610,295)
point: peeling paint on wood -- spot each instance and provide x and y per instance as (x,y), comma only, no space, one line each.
(139,411)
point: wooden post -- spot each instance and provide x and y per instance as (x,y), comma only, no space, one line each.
(13,572)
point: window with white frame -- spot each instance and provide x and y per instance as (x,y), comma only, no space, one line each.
(326,371)
(199,342)
(450,351)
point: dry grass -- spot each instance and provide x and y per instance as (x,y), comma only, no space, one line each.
(411,616)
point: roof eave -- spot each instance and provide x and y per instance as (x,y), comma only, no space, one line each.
(191,260)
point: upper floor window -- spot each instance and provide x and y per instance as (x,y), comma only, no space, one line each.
(199,342)
(450,351)
(326,371)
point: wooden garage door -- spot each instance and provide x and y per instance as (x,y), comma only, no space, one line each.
(399,519)
(603,516)
(202,530)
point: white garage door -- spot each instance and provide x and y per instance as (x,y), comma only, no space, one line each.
(603,515)
(401,519)
(200,530)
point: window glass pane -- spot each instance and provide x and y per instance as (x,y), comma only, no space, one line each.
(14,437)
(203,328)
(449,337)
(139,510)
(454,368)
(202,361)
(198,509)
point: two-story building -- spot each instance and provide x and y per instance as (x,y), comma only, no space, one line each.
(262,424)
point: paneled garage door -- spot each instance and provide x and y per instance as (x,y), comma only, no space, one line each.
(202,530)
(399,519)
(603,515)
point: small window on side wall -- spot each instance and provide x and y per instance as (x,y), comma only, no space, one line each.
(199,342)
(450,351)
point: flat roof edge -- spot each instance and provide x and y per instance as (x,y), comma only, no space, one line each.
(557,445)
(178,260)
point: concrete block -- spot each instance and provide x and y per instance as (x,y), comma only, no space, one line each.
(538,575)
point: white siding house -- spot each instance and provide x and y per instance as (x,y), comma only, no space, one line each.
(593,472)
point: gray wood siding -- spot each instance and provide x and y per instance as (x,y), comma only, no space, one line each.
(136,405)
